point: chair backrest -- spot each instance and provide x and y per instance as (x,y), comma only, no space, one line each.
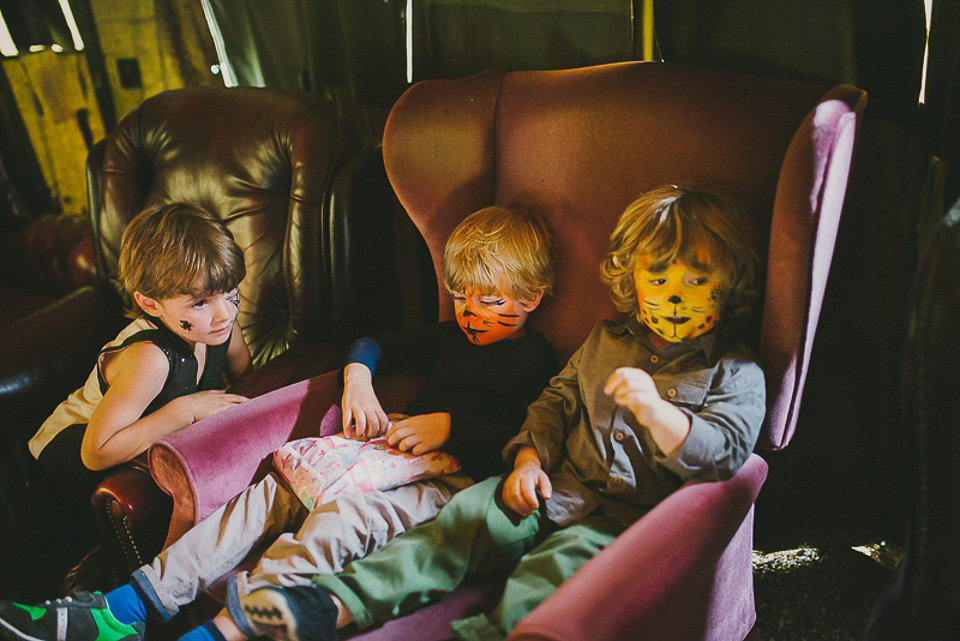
(264,162)
(579,145)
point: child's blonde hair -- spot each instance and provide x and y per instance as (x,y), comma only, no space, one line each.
(672,222)
(502,250)
(171,250)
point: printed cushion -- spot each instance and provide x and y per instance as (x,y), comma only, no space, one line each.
(320,468)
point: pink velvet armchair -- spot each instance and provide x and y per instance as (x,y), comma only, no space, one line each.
(578,145)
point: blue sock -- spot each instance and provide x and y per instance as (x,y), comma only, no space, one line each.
(126,604)
(206,632)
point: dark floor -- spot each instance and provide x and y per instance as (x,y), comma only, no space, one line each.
(821,590)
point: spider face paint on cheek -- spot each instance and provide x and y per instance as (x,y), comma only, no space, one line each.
(186,325)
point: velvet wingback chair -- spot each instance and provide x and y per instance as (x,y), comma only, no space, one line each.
(578,145)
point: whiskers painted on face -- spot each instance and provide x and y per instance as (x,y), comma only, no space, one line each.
(508,316)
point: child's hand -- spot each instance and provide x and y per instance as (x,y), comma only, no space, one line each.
(520,488)
(204,404)
(420,434)
(363,418)
(634,389)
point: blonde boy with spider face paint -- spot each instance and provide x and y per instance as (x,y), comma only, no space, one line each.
(648,403)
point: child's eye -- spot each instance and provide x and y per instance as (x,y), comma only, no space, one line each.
(200,303)
(696,282)
(493,301)
(657,281)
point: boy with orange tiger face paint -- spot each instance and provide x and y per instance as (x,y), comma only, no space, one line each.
(488,318)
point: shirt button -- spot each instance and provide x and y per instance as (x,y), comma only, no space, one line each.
(654,359)
(618,437)
(671,392)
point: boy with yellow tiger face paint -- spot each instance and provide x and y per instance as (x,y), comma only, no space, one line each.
(681,262)
(678,301)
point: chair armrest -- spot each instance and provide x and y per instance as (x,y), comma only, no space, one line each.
(206,464)
(634,585)
(49,354)
(132,514)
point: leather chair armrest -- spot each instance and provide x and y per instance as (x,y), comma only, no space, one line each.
(47,355)
(132,514)
(638,586)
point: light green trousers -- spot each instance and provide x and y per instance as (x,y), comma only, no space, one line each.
(474,533)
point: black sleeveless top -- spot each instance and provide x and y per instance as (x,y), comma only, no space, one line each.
(182,377)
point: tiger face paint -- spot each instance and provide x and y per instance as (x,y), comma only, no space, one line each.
(679,301)
(488,318)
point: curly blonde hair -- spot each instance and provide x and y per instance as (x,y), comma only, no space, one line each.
(167,250)
(506,250)
(671,223)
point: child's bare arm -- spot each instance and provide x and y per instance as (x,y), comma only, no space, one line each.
(239,362)
(116,432)
(634,389)
(520,488)
(363,417)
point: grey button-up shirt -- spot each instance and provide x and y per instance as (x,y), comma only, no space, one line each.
(596,452)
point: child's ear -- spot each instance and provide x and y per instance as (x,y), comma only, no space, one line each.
(147,304)
(529,306)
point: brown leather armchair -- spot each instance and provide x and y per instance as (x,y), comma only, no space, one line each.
(266,162)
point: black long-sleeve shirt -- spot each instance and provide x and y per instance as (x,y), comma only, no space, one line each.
(485,388)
